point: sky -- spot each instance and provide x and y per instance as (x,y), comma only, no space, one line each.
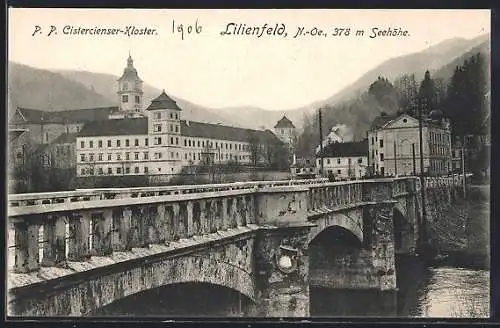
(272,72)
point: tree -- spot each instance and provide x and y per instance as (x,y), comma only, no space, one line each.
(407,89)
(254,149)
(466,104)
(427,94)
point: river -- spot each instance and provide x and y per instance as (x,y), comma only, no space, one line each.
(428,292)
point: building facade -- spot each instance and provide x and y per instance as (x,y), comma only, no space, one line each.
(394,147)
(158,142)
(344,160)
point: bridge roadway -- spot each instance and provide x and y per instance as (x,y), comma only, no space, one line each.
(74,252)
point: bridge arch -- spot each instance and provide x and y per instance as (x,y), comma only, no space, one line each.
(352,222)
(229,266)
(180,299)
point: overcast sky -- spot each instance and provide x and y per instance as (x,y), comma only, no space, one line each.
(271,72)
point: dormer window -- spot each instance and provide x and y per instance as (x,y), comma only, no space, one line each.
(125,86)
(157,116)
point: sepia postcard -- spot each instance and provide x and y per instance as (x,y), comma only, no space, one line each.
(248,163)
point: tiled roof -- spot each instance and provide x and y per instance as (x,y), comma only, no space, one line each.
(381,120)
(284,123)
(139,126)
(163,101)
(65,138)
(15,133)
(346,149)
(222,132)
(34,116)
(117,127)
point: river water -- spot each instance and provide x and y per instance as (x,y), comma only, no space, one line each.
(428,292)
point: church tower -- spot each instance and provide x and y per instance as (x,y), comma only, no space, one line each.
(130,93)
(285,130)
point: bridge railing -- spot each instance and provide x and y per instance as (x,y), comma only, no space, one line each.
(332,194)
(51,234)
(86,195)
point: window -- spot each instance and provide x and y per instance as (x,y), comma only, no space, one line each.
(118,156)
(176,141)
(127,143)
(373,140)
(171,115)
(339,171)
(82,171)
(119,170)
(171,154)
(91,144)
(171,140)
(110,170)
(109,157)
(199,143)
(99,143)
(100,156)
(127,156)
(189,143)
(157,128)
(328,161)
(146,155)
(381,156)
(118,143)
(82,157)
(158,141)
(176,116)
(171,128)
(360,160)
(136,169)
(145,169)
(158,115)
(91,157)
(136,155)
(146,142)
(137,99)
(125,98)
(101,171)
(109,143)
(127,170)
(381,143)
(185,143)
(338,160)
(82,144)
(176,128)
(136,142)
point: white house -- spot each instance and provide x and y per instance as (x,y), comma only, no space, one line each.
(345,160)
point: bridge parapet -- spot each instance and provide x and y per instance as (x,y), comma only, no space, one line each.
(328,195)
(87,195)
(102,227)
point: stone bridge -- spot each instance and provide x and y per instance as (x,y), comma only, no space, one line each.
(73,253)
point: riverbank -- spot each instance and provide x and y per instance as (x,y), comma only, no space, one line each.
(461,237)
